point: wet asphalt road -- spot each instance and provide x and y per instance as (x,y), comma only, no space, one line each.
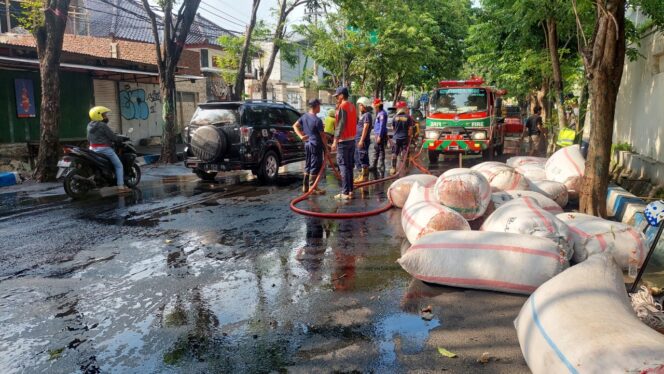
(196,277)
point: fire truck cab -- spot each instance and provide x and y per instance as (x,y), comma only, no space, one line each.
(464,117)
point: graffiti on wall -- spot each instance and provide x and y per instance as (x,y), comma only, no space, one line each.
(140,109)
(136,105)
(294,99)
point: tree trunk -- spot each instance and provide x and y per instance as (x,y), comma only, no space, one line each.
(169,49)
(542,98)
(239,79)
(49,37)
(583,106)
(605,69)
(167,88)
(276,40)
(552,42)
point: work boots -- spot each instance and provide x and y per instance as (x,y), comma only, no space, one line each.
(305,183)
(316,190)
(393,170)
(363,177)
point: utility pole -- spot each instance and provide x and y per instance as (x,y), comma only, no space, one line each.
(9,16)
(312,11)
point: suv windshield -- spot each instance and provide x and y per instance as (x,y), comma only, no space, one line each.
(209,116)
(459,100)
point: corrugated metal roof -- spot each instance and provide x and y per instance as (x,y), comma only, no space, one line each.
(127,19)
(34,61)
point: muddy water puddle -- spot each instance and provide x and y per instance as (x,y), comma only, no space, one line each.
(222,279)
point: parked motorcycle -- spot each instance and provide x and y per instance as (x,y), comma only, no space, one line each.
(84,169)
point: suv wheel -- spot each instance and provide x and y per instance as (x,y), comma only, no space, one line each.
(268,170)
(208,177)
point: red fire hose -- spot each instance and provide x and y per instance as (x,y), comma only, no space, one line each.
(370,213)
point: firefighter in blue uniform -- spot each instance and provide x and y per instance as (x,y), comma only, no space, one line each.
(363,139)
(403,130)
(310,129)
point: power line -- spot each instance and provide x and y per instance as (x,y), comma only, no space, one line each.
(224,12)
(220,16)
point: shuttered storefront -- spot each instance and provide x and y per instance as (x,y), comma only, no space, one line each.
(106,94)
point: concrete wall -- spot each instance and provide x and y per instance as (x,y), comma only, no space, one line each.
(639,118)
(141,107)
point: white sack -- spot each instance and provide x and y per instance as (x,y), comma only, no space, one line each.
(525,216)
(484,260)
(501,177)
(581,321)
(399,190)
(524,160)
(556,191)
(532,172)
(465,191)
(500,198)
(567,167)
(422,214)
(594,235)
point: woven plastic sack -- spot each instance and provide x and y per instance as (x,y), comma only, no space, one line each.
(593,235)
(524,215)
(524,160)
(485,260)
(532,172)
(399,190)
(501,177)
(464,190)
(500,198)
(422,215)
(567,167)
(556,191)
(581,321)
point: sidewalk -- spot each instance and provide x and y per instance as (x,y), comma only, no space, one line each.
(149,154)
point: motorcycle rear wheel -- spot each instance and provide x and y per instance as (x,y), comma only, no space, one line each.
(75,188)
(132,176)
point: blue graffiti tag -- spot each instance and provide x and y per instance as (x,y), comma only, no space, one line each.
(133,105)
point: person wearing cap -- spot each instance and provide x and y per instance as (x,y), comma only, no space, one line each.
(380,135)
(363,139)
(344,141)
(403,130)
(310,129)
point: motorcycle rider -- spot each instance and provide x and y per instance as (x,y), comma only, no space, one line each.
(101,139)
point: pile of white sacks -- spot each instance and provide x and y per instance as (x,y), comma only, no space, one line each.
(524,237)
(525,244)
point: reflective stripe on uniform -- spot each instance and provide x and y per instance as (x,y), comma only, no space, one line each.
(566,137)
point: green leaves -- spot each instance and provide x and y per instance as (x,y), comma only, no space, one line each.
(32,14)
(230,60)
(391,42)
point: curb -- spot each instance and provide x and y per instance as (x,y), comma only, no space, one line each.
(622,205)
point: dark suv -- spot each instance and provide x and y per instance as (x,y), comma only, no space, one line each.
(254,135)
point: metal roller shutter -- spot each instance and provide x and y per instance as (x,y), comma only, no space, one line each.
(106,94)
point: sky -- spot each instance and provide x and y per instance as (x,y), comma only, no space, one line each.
(235,14)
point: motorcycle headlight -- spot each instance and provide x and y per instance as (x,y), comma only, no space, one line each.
(479,135)
(432,134)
